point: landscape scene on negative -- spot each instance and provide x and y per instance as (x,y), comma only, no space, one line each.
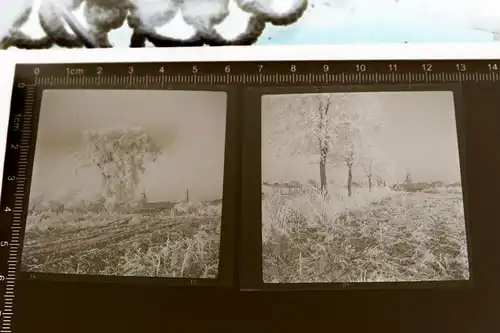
(127,183)
(362,187)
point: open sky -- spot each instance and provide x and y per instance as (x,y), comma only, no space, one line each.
(419,136)
(190,126)
(325,21)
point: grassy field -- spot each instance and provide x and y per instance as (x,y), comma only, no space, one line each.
(375,236)
(126,245)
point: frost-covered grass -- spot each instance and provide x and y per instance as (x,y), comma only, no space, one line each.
(162,244)
(374,236)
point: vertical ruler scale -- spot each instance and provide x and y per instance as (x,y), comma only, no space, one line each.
(14,245)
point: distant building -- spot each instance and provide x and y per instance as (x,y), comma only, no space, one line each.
(213,202)
(283,187)
(158,207)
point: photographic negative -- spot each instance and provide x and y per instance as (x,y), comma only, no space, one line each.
(362,187)
(127,183)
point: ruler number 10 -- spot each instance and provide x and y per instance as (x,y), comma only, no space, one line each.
(360,68)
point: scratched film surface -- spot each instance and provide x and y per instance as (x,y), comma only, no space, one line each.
(361,187)
(127,183)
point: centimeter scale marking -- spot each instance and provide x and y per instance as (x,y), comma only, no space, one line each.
(16,209)
(250,73)
(242,78)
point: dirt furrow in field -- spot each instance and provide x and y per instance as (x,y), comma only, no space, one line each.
(102,238)
(99,254)
(56,235)
(37,239)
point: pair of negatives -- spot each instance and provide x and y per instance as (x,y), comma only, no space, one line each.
(301,186)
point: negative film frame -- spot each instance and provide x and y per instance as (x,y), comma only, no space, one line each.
(250,246)
(231,188)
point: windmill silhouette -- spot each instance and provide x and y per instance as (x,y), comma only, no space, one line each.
(144,199)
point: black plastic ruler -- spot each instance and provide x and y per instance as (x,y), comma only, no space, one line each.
(254,73)
(30,79)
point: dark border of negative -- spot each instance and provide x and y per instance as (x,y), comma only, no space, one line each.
(251,237)
(230,202)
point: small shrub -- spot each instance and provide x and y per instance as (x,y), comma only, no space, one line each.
(196,209)
(186,208)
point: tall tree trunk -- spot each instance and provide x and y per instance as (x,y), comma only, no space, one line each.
(322,174)
(323,148)
(349,180)
(370,182)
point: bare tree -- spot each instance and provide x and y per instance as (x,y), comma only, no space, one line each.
(35,203)
(331,127)
(120,155)
(305,127)
(358,124)
(376,164)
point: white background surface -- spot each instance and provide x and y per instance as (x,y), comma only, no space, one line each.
(8,60)
(325,21)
